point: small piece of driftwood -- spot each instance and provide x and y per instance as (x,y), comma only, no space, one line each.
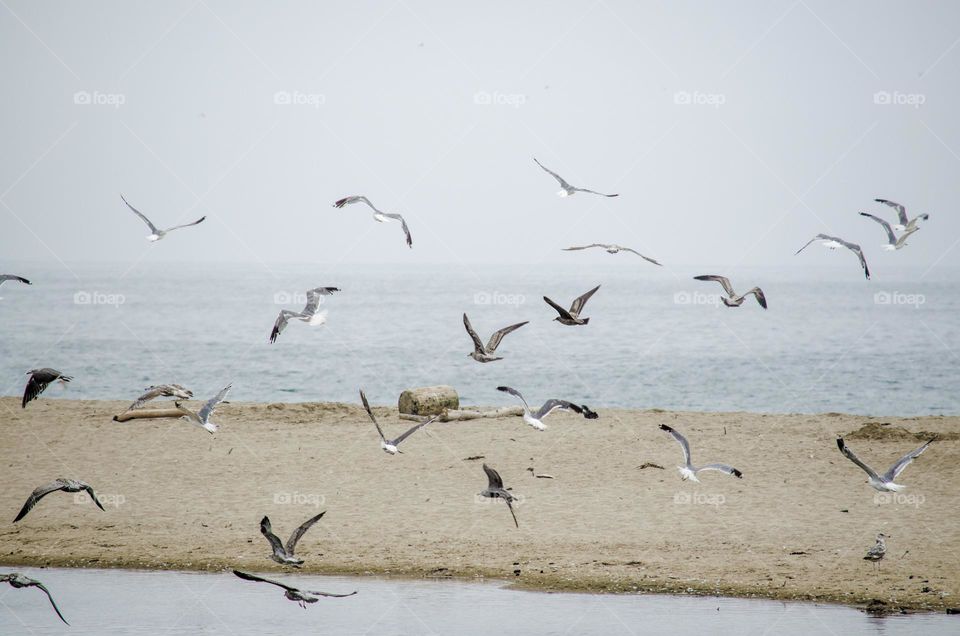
(458,415)
(146,413)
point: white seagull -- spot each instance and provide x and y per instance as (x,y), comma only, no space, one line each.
(482,353)
(301,597)
(569,190)
(893,242)
(18,581)
(66,485)
(389,446)
(309,315)
(833,243)
(202,417)
(382,217)
(39,380)
(161,390)
(611,249)
(156,233)
(732,299)
(688,470)
(536,419)
(495,490)
(283,554)
(884,482)
(904,224)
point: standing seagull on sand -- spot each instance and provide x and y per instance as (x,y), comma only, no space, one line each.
(20,279)
(161,390)
(893,242)
(495,490)
(486,353)
(302,597)
(536,419)
(884,482)
(569,190)
(18,581)
(732,299)
(905,224)
(389,446)
(833,243)
(878,551)
(572,316)
(688,470)
(382,217)
(202,417)
(611,249)
(39,380)
(156,233)
(309,315)
(283,554)
(66,485)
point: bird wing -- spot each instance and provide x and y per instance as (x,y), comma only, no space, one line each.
(723,468)
(815,238)
(366,405)
(563,183)
(355,199)
(197,222)
(20,279)
(577,306)
(904,461)
(856,460)
(151,393)
(477,343)
(497,336)
(646,258)
(901,211)
(39,493)
(36,385)
(853,247)
(886,226)
(723,280)
(260,579)
(93,495)
(512,513)
(493,478)
(403,224)
(282,319)
(514,393)
(153,228)
(300,531)
(207,409)
(267,531)
(49,596)
(313,298)
(413,429)
(758,294)
(560,310)
(553,404)
(329,594)
(906,235)
(595,192)
(585,247)
(684,444)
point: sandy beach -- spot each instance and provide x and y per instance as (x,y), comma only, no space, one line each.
(795,527)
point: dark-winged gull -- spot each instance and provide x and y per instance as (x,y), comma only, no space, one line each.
(893,241)
(569,190)
(39,380)
(161,390)
(19,581)
(486,353)
(301,597)
(66,485)
(833,243)
(20,279)
(905,223)
(309,315)
(688,470)
(878,551)
(572,316)
(202,417)
(495,490)
(156,233)
(283,554)
(382,217)
(611,249)
(390,445)
(732,299)
(536,419)
(884,482)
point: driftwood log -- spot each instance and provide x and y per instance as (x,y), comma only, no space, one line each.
(428,400)
(457,415)
(146,413)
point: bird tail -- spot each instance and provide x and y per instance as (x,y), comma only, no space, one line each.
(586,320)
(210,426)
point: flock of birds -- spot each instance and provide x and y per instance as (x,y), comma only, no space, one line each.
(284,553)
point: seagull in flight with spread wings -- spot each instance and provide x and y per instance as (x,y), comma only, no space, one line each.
(382,217)
(905,224)
(732,299)
(884,482)
(202,417)
(310,314)
(495,490)
(832,242)
(66,485)
(567,189)
(283,554)
(688,470)
(389,446)
(611,249)
(301,597)
(486,353)
(18,581)
(893,241)
(536,419)
(156,233)
(572,316)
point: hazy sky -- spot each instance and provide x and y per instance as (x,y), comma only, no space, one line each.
(734,132)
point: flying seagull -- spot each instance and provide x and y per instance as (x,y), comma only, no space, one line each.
(156,233)
(309,315)
(569,190)
(486,354)
(66,485)
(833,243)
(536,419)
(20,279)
(302,597)
(202,417)
(284,554)
(893,242)
(612,249)
(39,380)
(496,490)
(884,482)
(572,317)
(18,581)
(389,446)
(904,224)
(688,470)
(382,217)
(161,390)
(732,299)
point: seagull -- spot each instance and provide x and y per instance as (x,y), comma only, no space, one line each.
(732,299)
(66,485)
(20,279)
(535,420)
(612,249)
(161,390)
(688,470)
(284,554)
(485,354)
(893,243)
(202,417)
(38,382)
(904,224)
(496,490)
(309,315)
(878,551)
(569,190)
(572,317)
(18,581)
(156,233)
(302,597)
(382,217)
(884,483)
(833,243)
(389,446)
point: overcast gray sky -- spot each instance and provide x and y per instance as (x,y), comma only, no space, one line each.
(733,131)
